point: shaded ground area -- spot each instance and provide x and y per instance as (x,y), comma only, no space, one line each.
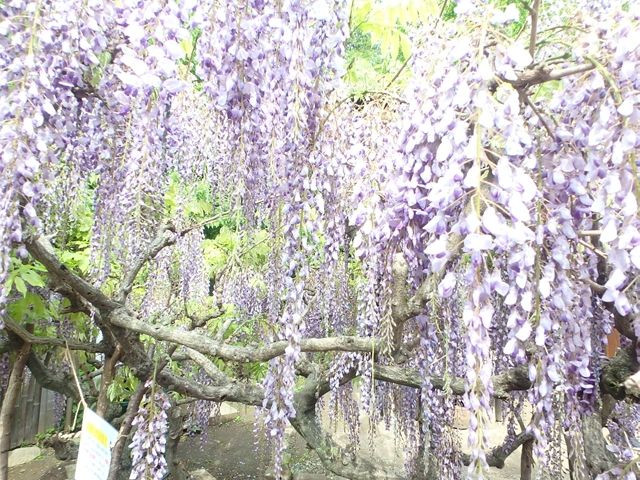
(45,467)
(229,452)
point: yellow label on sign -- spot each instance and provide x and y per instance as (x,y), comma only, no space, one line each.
(97,434)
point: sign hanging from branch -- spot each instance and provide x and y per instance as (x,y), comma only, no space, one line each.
(96,440)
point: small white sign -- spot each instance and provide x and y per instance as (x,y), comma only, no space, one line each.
(96,440)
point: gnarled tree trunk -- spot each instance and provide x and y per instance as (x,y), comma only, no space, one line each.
(526,460)
(8,405)
(108,374)
(176,428)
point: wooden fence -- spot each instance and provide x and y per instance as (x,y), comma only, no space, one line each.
(34,413)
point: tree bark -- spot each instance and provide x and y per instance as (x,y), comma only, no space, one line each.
(176,424)
(8,405)
(598,458)
(108,374)
(526,460)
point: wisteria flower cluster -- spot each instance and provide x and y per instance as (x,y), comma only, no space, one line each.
(150,437)
(477,215)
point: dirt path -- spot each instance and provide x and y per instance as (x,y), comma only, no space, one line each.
(229,453)
(45,467)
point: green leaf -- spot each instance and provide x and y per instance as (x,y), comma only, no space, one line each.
(363,74)
(360,11)
(37,305)
(18,310)
(32,278)
(20,285)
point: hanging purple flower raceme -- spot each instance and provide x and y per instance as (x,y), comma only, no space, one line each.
(197,141)
(60,400)
(48,49)
(65,328)
(439,174)
(202,410)
(236,54)
(150,438)
(258,73)
(59,408)
(158,285)
(340,395)
(436,409)
(604,178)
(279,90)
(193,270)
(140,84)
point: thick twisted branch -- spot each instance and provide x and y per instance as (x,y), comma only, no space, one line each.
(499,454)
(209,346)
(51,380)
(42,250)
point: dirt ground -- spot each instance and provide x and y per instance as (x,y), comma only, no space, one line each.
(229,452)
(45,467)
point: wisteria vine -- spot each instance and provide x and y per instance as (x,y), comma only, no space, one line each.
(477,215)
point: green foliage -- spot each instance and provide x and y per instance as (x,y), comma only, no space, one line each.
(379,42)
(386,23)
(192,202)
(123,385)
(74,246)
(95,72)
(448,10)
(27,309)
(230,249)
(255,370)
(23,274)
(42,436)
(26,305)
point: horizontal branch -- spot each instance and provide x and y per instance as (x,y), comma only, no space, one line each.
(56,342)
(203,344)
(615,372)
(541,74)
(499,454)
(514,379)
